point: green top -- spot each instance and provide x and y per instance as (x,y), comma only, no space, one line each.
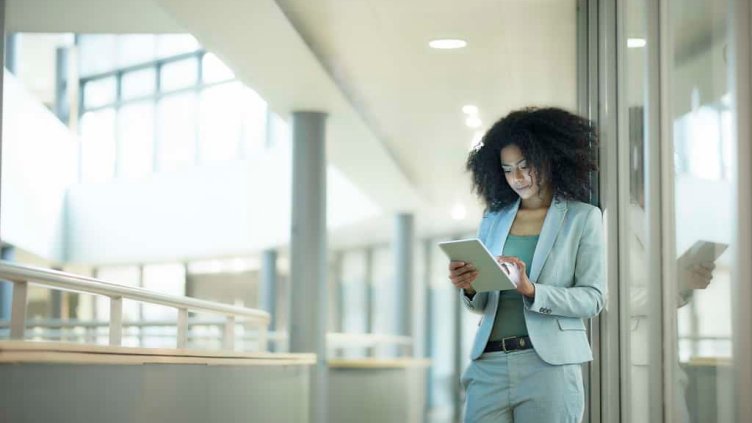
(510,320)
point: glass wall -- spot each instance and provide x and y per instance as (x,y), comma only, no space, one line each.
(677,202)
(703,212)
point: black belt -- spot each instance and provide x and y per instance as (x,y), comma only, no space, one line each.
(512,343)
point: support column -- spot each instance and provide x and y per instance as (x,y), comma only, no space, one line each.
(6,289)
(7,253)
(61,86)
(338,296)
(403,273)
(308,289)
(56,303)
(11,58)
(268,288)
(370,297)
(428,351)
(370,291)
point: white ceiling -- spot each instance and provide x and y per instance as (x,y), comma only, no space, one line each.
(519,53)
(88,16)
(396,126)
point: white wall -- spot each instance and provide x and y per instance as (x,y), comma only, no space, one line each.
(39,158)
(206,211)
(228,209)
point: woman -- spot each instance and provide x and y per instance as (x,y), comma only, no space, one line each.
(532,171)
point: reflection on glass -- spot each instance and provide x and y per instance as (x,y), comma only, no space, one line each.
(98,145)
(100,92)
(642,291)
(136,135)
(177,75)
(176,131)
(220,124)
(139,83)
(214,70)
(702,175)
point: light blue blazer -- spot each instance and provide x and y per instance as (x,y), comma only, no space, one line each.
(567,271)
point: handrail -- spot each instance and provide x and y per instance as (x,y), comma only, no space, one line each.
(22,275)
(69,282)
(75,323)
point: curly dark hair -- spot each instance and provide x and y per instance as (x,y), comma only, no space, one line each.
(556,144)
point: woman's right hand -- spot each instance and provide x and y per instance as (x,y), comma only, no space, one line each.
(462,275)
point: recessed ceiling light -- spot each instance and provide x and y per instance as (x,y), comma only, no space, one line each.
(636,42)
(458,212)
(447,44)
(469,109)
(473,122)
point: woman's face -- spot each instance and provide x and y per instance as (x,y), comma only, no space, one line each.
(520,177)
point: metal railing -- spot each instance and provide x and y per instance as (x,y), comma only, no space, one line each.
(21,276)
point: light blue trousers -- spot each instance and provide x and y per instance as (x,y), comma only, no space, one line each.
(520,387)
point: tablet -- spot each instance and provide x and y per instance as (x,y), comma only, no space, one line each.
(702,252)
(491,276)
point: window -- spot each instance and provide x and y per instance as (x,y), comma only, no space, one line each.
(213,70)
(253,110)
(135,49)
(161,103)
(178,75)
(98,145)
(100,92)
(139,83)
(220,122)
(176,134)
(136,139)
(169,45)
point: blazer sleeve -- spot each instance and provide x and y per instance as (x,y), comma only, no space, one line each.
(587,296)
(477,303)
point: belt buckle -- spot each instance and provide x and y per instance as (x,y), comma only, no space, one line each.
(504,342)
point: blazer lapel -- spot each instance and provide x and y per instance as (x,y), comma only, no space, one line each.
(551,226)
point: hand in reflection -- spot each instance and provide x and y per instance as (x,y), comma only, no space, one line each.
(698,276)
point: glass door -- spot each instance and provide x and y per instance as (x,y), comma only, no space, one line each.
(678,208)
(701,214)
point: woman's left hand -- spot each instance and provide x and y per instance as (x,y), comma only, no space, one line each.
(524,286)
